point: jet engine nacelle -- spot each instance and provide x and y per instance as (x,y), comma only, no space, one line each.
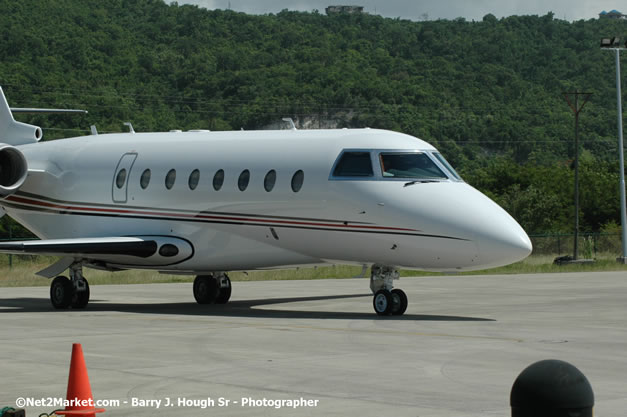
(18,133)
(14,132)
(13,169)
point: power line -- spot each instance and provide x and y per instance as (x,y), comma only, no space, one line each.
(228,101)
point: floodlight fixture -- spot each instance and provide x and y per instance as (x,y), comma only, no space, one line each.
(613,42)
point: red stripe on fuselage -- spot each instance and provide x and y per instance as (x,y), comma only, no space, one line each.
(63,207)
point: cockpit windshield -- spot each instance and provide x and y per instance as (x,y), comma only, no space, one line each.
(409,166)
(395,165)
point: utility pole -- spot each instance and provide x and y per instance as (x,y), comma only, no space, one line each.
(576,109)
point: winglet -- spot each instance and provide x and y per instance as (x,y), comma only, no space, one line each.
(12,132)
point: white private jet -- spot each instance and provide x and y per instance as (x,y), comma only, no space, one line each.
(203,203)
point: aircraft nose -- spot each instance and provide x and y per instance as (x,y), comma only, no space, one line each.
(501,240)
(488,236)
(507,246)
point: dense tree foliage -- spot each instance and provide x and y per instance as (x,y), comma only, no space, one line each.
(488,93)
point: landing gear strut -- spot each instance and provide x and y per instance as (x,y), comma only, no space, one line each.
(70,292)
(386,300)
(212,288)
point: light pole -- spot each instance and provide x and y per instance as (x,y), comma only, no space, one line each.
(614,44)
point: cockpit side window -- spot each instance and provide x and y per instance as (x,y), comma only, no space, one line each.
(354,164)
(448,166)
(409,165)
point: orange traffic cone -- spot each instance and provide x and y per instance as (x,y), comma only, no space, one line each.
(80,401)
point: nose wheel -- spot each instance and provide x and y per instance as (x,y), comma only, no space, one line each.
(399,302)
(387,301)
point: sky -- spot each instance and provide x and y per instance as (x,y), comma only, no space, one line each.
(430,9)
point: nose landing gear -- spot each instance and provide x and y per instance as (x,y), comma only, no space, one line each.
(387,301)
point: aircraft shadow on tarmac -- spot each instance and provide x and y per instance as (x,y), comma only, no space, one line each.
(235,308)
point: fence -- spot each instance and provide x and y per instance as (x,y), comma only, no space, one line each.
(588,244)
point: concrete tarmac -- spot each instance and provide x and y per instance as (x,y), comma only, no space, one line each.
(456,352)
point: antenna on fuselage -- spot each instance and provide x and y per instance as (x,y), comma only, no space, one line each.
(290,121)
(130,127)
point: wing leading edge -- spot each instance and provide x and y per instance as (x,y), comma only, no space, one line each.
(148,251)
(89,247)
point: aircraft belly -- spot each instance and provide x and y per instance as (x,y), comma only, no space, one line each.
(406,251)
(227,252)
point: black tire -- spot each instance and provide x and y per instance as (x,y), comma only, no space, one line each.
(382,302)
(80,298)
(399,302)
(224,293)
(206,289)
(61,292)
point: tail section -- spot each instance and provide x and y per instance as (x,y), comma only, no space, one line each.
(12,132)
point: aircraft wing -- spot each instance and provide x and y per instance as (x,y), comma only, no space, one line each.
(109,252)
(87,247)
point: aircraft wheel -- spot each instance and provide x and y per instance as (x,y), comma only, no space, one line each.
(399,302)
(224,293)
(81,298)
(206,289)
(382,302)
(61,292)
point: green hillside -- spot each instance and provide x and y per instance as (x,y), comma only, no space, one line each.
(488,94)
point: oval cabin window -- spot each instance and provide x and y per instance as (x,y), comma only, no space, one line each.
(145,179)
(170,178)
(218,179)
(193,179)
(120,179)
(297,180)
(243,180)
(269,180)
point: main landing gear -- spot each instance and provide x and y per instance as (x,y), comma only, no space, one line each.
(212,288)
(70,292)
(386,301)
